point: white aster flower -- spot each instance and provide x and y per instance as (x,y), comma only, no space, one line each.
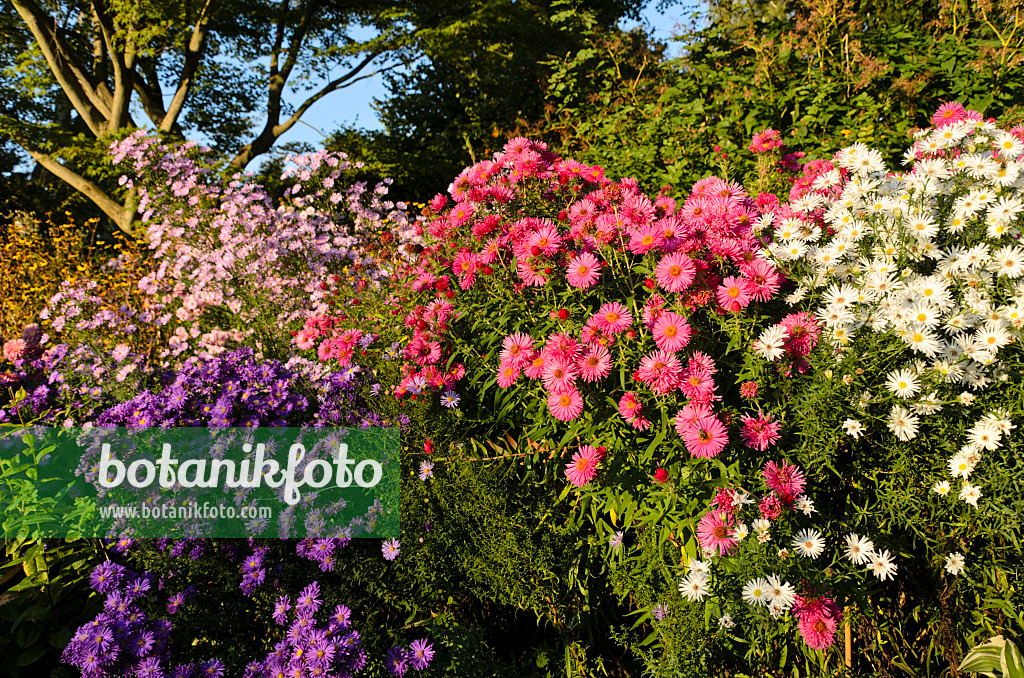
(782,593)
(903,423)
(858,549)
(805,505)
(771,342)
(853,427)
(970,494)
(904,383)
(961,465)
(757,592)
(694,586)
(699,566)
(882,565)
(726,622)
(954,563)
(941,488)
(809,543)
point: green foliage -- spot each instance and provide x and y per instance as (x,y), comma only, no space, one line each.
(30,494)
(826,80)
(44,597)
(483,79)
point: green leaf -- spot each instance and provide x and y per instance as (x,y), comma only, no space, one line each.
(30,656)
(1010,661)
(984,658)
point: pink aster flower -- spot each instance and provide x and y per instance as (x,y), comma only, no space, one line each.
(698,384)
(653,308)
(516,349)
(818,630)
(949,113)
(788,480)
(671,332)
(675,272)
(464,267)
(802,331)
(559,375)
(732,294)
(561,345)
(725,500)
(660,370)
(630,408)
(706,438)
(530,274)
(770,507)
(613,318)
(687,417)
(565,406)
(714,532)
(763,280)
(15,349)
(748,390)
(546,238)
(583,271)
(765,141)
(759,432)
(595,364)
(507,375)
(535,370)
(583,467)
(646,238)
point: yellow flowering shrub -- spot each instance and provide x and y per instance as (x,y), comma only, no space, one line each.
(38,255)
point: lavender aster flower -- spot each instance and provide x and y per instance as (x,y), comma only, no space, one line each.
(397,661)
(390,549)
(422,652)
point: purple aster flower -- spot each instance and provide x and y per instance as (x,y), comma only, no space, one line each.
(308,601)
(422,652)
(106,576)
(397,661)
(281,609)
(341,616)
(175,602)
(426,470)
(150,668)
(212,669)
(142,643)
(390,549)
(659,611)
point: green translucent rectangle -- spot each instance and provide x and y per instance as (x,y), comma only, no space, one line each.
(199,482)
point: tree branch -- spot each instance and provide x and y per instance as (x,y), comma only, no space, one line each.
(122,215)
(81,92)
(272,130)
(193,53)
(124,68)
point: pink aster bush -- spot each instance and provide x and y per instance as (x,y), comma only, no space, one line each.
(228,263)
(706,331)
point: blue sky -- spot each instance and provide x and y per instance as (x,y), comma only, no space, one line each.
(354,105)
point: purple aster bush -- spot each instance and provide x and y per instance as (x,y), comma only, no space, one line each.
(232,389)
(309,633)
(122,640)
(309,647)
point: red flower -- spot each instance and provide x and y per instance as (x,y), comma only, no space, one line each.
(428,446)
(661,475)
